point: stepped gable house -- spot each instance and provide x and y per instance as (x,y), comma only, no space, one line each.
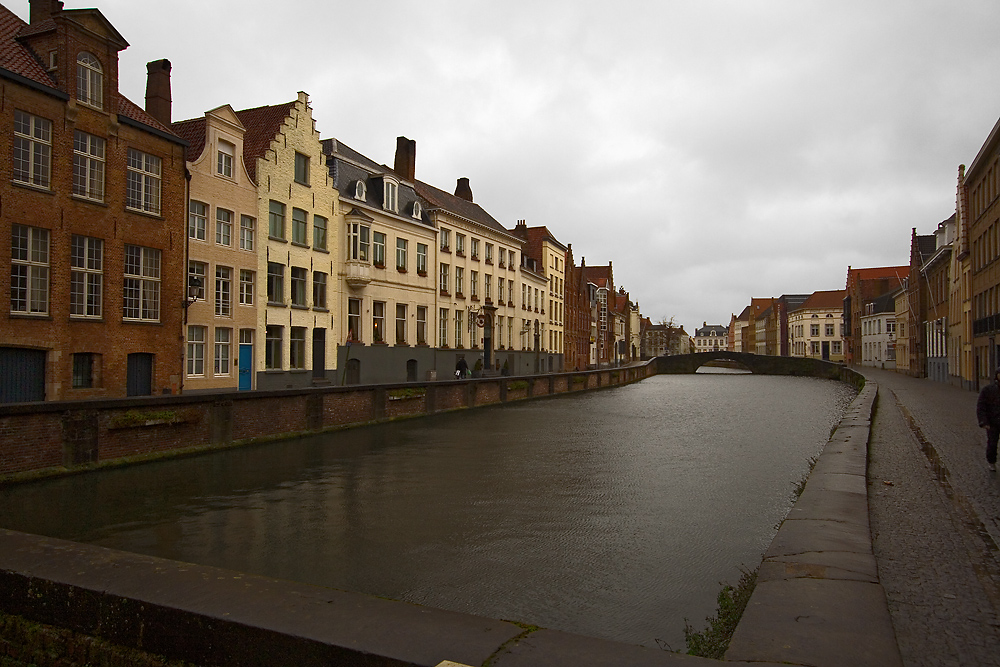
(93,209)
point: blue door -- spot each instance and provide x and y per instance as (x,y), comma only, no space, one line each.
(246,367)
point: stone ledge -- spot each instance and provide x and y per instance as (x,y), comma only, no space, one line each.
(818,601)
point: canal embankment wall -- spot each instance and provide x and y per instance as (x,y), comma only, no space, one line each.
(817,601)
(55,438)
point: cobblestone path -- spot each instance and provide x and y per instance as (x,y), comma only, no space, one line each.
(935,521)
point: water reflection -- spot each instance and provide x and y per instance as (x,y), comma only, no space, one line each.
(614,514)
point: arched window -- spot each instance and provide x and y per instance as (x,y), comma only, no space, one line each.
(89,80)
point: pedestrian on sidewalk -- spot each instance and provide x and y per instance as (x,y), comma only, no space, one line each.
(988,414)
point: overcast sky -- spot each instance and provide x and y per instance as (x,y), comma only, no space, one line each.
(713,151)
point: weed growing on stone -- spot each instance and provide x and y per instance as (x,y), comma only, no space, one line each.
(713,641)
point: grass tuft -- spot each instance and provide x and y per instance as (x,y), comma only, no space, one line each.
(713,641)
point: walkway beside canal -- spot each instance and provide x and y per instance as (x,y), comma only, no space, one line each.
(935,521)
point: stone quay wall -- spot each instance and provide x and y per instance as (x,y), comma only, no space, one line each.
(60,437)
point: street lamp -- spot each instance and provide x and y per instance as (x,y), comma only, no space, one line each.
(194,289)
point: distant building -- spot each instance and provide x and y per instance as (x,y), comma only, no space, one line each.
(711,338)
(815,328)
(878,332)
(862,287)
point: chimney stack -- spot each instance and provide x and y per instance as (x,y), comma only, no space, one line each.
(463,190)
(158,90)
(406,158)
(39,10)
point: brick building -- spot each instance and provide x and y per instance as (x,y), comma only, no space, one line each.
(93,207)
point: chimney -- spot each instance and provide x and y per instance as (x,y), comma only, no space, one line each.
(406,158)
(39,10)
(463,190)
(158,90)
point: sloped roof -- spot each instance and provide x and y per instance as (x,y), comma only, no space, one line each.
(599,275)
(193,132)
(461,207)
(824,299)
(711,330)
(876,272)
(16,57)
(262,124)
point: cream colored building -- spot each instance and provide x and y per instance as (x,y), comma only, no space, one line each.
(299,255)
(815,327)
(387,280)
(222,242)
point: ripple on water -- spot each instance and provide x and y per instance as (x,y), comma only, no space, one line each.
(613,514)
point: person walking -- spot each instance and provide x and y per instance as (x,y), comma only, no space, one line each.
(988,414)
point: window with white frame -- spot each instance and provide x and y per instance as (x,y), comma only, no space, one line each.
(247,280)
(223,350)
(141,300)
(813,329)
(29,273)
(421,325)
(89,80)
(319,232)
(401,254)
(354,319)
(391,192)
(378,321)
(223,291)
(474,284)
(196,272)
(357,241)
(223,227)
(224,163)
(474,248)
(445,271)
(142,191)
(445,238)
(276,220)
(32,150)
(488,287)
(88,166)
(460,244)
(195,350)
(828,328)
(459,328)
(459,279)
(443,327)
(378,249)
(300,226)
(319,290)
(247,226)
(510,291)
(86,276)
(400,324)
(197,220)
(500,290)
(489,253)
(422,259)
(500,331)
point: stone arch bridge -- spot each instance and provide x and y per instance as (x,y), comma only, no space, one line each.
(755,363)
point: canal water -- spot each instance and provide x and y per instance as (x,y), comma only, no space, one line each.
(614,514)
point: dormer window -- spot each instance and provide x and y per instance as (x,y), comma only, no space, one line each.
(391,193)
(359,190)
(224,165)
(89,80)
(416,210)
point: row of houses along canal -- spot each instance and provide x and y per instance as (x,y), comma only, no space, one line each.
(613,514)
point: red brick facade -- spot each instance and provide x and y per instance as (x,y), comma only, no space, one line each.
(112,321)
